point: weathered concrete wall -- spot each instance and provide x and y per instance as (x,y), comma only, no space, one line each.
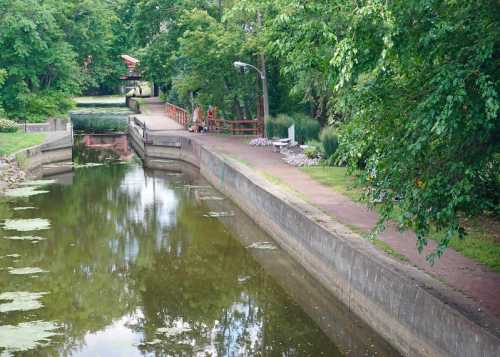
(416,314)
(51,124)
(59,149)
(133,104)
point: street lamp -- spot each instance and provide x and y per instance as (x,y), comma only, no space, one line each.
(265,95)
(239,64)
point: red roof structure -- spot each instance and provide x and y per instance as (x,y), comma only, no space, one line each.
(131,63)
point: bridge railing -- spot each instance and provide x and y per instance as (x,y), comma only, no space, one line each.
(215,125)
(236,127)
(178,114)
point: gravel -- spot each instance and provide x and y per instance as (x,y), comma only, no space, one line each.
(10,174)
(296,157)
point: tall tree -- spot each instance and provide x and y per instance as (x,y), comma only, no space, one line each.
(41,66)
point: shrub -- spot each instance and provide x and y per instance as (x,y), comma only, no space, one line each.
(330,141)
(7,126)
(306,128)
(314,149)
(278,126)
(38,107)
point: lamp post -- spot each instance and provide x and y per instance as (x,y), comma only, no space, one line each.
(265,93)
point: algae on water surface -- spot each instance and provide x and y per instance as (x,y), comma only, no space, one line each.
(20,301)
(25,225)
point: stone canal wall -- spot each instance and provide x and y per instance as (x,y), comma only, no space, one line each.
(416,314)
(59,147)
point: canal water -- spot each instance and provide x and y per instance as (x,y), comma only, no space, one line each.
(111,259)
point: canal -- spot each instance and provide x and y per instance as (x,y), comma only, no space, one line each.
(110,259)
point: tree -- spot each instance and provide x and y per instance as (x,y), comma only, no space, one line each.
(41,67)
(88,28)
(413,89)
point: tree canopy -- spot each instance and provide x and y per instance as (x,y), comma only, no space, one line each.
(52,50)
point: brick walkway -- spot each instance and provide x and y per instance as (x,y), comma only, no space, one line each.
(475,281)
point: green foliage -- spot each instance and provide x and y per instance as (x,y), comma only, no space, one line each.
(278,126)
(37,107)
(415,94)
(314,149)
(38,60)
(89,27)
(306,128)
(330,141)
(52,50)
(7,126)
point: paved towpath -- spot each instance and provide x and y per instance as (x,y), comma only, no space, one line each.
(474,280)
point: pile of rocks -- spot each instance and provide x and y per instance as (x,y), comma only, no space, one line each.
(10,174)
(296,157)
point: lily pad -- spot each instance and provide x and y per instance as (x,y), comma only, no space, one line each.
(262,245)
(24,225)
(211,198)
(154,342)
(27,335)
(26,271)
(27,191)
(21,301)
(10,256)
(213,214)
(38,183)
(23,208)
(32,238)
(175,330)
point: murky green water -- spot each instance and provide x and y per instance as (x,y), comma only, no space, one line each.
(115,260)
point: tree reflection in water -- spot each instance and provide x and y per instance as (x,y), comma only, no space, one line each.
(135,268)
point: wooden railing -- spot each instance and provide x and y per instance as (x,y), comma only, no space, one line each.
(236,127)
(233,127)
(178,114)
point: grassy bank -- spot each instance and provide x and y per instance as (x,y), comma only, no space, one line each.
(12,142)
(481,244)
(336,178)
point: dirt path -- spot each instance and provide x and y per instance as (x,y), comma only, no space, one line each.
(474,280)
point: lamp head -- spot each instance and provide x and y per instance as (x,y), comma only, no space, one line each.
(238,64)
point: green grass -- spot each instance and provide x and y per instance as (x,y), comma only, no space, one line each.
(12,142)
(336,178)
(385,247)
(482,243)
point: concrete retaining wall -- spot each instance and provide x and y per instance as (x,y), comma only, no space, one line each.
(417,315)
(51,124)
(32,159)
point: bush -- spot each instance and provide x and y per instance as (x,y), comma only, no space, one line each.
(314,149)
(38,107)
(278,126)
(330,141)
(7,126)
(306,128)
